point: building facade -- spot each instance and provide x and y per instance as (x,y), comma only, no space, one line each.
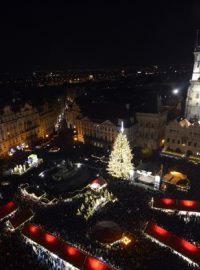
(142,129)
(99,132)
(151,129)
(25,125)
(192,110)
(182,137)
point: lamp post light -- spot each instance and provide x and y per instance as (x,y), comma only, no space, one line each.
(157,182)
(131,174)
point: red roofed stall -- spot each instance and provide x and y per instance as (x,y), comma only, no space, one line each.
(174,204)
(73,255)
(167,203)
(21,217)
(180,245)
(188,205)
(92,263)
(7,209)
(98,183)
(69,253)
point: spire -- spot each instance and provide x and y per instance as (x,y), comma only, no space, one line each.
(197,43)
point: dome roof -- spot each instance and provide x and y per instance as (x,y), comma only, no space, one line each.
(106,232)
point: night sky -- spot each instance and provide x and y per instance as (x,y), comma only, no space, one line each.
(87,34)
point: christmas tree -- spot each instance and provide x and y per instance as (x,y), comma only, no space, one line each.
(120,159)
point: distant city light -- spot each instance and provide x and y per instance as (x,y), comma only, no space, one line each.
(175,91)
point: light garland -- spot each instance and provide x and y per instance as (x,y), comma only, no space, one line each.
(36,247)
(126,241)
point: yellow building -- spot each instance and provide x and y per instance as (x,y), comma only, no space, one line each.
(25,125)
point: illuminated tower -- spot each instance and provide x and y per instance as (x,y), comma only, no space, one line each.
(192,109)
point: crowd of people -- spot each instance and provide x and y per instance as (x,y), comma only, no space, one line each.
(131,211)
(15,254)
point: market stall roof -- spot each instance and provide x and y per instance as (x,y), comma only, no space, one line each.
(97,183)
(21,217)
(175,204)
(7,209)
(174,177)
(169,239)
(65,251)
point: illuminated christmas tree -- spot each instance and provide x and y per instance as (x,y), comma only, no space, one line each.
(120,164)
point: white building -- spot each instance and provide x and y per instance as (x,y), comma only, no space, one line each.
(182,137)
(192,110)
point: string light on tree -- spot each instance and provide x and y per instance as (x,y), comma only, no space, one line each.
(120,163)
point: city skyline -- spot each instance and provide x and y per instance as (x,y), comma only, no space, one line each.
(100,136)
(92,35)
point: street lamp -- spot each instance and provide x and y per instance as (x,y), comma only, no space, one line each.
(131,174)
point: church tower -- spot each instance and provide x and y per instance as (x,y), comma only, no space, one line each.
(192,109)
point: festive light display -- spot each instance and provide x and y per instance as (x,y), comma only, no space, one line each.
(126,240)
(120,164)
(93,202)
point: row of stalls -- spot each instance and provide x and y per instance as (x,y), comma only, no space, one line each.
(187,250)
(72,256)
(37,194)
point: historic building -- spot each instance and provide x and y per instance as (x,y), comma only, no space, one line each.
(182,136)
(151,129)
(25,124)
(99,131)
(143,129)
(192,110)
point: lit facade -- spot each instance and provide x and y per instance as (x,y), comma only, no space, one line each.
(193,96)
(182,137)
(25,125)
(151,129)
(145,129)
(100,133)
